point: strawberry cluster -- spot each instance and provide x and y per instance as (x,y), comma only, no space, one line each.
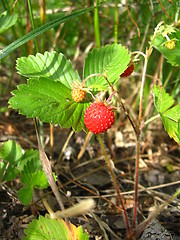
(98,117)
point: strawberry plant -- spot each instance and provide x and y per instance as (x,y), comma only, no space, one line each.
(27,165)
(56,93)
(48,95)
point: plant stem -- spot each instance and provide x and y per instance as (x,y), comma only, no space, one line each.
(88,138)
(115,183)
(37,50)
(96,24)
(65,146)
(138,135)
(116,22)
(43,20)
(47,169)
(32,23)
(152,119)
(153,216)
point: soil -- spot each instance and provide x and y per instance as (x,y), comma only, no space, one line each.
(88,177)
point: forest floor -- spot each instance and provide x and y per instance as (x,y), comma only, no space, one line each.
(88,177)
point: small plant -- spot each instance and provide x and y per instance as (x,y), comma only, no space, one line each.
(55,93)
(49,95)
(27,165)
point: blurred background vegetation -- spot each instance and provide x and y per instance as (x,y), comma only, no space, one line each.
(130,23)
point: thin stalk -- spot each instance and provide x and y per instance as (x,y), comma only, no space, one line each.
(47,169)
(51,143)
(177,15)
(138,144)
(88,138)
(115,183)
(41,132)
(152,119)
(116,22)
(45,203)
(43,20)
(65,145)
(32,23)
(96,24)
(154,215)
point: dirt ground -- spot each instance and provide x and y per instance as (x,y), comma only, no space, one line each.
(89,178)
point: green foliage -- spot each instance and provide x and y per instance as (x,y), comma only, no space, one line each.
(165,30)
(25,194)
(7,172)
(50,65)
(10,152)
(28,156)
(27,165)
(32,177)
(172,55)
(45,228)
(31,35)
(49,101)
(170,115)
(111,60)
(7,21)
(47,94)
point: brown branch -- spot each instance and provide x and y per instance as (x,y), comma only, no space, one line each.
(164,10)
(132,20)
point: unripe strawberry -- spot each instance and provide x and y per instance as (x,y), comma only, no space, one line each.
(128,71)
(98,117)
(78,95)
(170,44)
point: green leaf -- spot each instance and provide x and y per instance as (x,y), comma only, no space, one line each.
(34,179)
(111,59)
(45,228)
(39,180)
(50,101)
(172,56)
(178,132)
(28,156)
(170,115)
(7,172)
(82,235)
(29,169)
(11,47)
(25,194)
(170,120)
(32,176)
(52,65)
(7,21)
(11,152)
(162,100)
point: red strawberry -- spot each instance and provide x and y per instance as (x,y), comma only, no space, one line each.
(98,117)
(128,71)
(78,95)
